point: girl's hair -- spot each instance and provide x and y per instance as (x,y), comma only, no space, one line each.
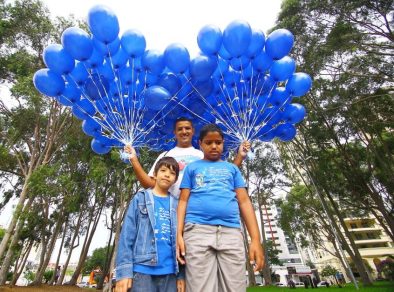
(168,162)
(210,128)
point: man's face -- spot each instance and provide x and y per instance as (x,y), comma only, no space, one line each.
(184,133)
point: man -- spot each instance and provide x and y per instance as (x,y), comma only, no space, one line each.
(183,152)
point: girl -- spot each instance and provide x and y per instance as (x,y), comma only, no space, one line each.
(210,241)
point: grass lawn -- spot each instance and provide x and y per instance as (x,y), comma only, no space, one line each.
(377,287)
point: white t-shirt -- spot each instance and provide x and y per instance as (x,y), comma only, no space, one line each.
(183,156)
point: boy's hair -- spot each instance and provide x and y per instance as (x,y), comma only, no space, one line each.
(168,162)
(210,128)
(183,119)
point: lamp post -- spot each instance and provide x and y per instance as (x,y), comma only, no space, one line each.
(337,242)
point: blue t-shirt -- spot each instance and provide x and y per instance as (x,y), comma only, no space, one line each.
(212,198)
(166,261)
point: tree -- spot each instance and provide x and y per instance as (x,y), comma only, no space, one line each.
(329,271)
(265,176)
(346,46)
(34,128)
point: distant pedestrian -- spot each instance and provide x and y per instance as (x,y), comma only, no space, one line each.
(57,274)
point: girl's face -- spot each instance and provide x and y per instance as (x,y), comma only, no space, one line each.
(212,146)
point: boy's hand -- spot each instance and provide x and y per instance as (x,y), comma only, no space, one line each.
(180,285)
(130,150)
(244,149)
(123,285)
(180,250)
(256,255)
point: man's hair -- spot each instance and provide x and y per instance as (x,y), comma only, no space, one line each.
(168,162)
(183,119)
(210,128)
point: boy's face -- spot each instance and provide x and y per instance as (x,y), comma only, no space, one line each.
(212,146)
(165,177)
(184,133)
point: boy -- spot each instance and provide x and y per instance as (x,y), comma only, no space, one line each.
(146,258)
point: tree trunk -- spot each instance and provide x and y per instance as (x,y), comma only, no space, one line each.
(51,282)
(85,249)
(19,269)
(122,209)
(76,232)
(48,253)
(266,269)
(14,220)
(10,252)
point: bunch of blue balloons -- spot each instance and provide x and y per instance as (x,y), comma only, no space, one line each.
(125,93)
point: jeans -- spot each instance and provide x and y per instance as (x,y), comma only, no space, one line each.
(153,283)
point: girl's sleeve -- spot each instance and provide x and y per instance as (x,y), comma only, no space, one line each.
(124,257)
(239,181)
(187,179)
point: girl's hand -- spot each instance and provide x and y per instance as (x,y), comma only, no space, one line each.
(256,255)
(180,250)
(244,149)
(180,285)
(123,285)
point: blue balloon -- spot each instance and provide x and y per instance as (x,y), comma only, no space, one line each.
(279,96)
(294,113)
(156,97)
(79,75)
(106,70)
(231,78)
(96,60)
(239,63)
(256,44)
(119,59)
(177,58)
(83,109)
(70,95)
(99,147)
(279,43)
(170,82)
(96,87)
(209,39)
(103,23)
(224,53)
(133,42)
(107,49)
(203,88)
(221,69)
(147,79)
(58,59)
(237,37)
(153,61)
(91,127)
(285,132)
(127,75)
(202,67)
(48,82)
(77,43)
(283,69)
(299,84)
(262,62)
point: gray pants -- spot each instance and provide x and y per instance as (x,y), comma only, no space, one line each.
(215,259)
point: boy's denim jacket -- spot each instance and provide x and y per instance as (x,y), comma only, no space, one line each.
(137,244)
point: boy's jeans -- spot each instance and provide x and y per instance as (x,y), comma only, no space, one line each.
(152,283)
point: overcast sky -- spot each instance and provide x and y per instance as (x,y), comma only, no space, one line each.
(170,21)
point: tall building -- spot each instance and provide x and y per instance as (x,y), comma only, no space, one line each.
(293,264)
(372,241)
